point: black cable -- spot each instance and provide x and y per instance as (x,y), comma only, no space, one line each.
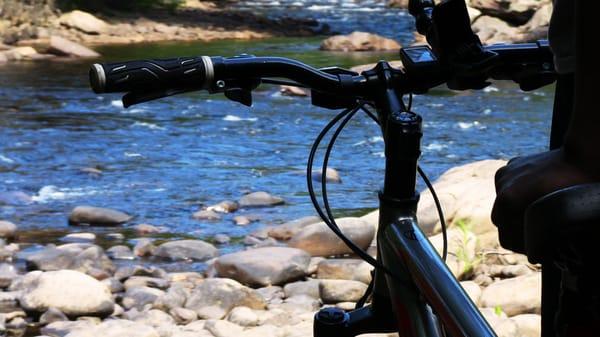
(361,302)
(283,82)
(438,205)
(410,101)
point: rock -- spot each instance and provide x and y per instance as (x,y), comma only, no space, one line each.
(301,303)
(221,239)
(309,287)
(183,316)
(529,325)
(66,328)
(243,316)
(220,328)
(514,12)
(141,297)
(314,264)
(334,291)
(83,21)
(185,277)
(8,273)
(331,176)
(493,30)
(264,266)
(483,280)
(244,220)
(359,41)
(289,229)
(271,294)
(346,306)
(537,27)
(96,216)
(117,328)
(226,206)
(144,247)
(145,229)
(345,269)
(3,58)
(215,297)
(73,293)
(71,256)
(319,240)
(398,3)
(128,271)
(8,230)
(363,67)
(206,215)
(79,237)
(502,294)
(290,90)
(473,290)
(120,252)
(509,271)
(174,297)
(62,47)
(260,199)
(263,331)
(14,198)
(154,318)
(52,315)
(114,285)
(196,250)
(115,236)
(502,326)
(146,281)
(20,53)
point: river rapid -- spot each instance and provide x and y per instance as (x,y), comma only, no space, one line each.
(164,160)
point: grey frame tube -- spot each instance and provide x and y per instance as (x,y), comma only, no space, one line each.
(404,248)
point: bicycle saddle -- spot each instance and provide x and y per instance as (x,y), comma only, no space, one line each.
(564,225)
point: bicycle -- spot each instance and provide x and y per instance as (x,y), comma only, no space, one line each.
(412,291)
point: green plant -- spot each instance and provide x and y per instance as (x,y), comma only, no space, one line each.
(469,262)
(498,311)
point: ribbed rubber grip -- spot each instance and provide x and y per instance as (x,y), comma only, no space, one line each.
(177,73)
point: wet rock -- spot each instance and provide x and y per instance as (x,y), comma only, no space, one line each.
(141,297)
(260,199)
(289,90)
(93,171)
(117,328)
(8,230)
(214,298)
(334,291)
(319,240)
(226,206)
(530,325)
(120,252)
(244,220)
(146,281)
(183,316)
(64,328)
(145,229)
(196,250)
(345,269)
(502,294)
(8,273)
(359,41)
(79,237)
(243,316)
(473,290)
(14,198)
(144,247)
(84,22)
(221,328)
(206,215)
(52,315)
(221,239)
(73,293)
(309,287)
(264,266)
(331,176)
(97,216)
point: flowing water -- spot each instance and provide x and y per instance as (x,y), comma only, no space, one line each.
(162,161)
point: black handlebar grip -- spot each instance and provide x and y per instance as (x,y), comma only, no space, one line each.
(149,75)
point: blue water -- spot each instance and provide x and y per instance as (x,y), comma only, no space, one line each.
(162,161)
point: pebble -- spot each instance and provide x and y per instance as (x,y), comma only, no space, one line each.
(97,216)
(79,237)
(8,230)
(120,252)
(195,250)
(226,206)
(144,247)
(8,273)
(221,239)
(145,229)
(206,215)
(183,316)
(260,199)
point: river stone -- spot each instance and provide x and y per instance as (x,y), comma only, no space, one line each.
(8,230)
(514,12)
(196,250)
(83,21)
(462,244)
(79,237)
(530,325)
(290,90)
(120,252)
(221,328)
(331,175)
(243,316)
(174,297)
(72,292)
(260,199)
(215,297)
(127,271)
(71,256)
(221,239)
(97,216)
(473,290)
(271,294)
(309,287)
(226,206)
(206,215)
(301,303)
(117,328)
(264,266)
(154,318)
(519,295)
(8,273)
(345,269)
(319,240)
(144,247)
(114,285)
(502,325)
(334,291)
(146,281)
(183,316)
(52,315)
(287,230)
(145,229)
(359,41)
(263,331)
(141,297)
(64,328)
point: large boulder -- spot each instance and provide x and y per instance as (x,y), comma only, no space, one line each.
(359,41)
(512,11)
(335,291)
(215,297)
(493,30)
(287,230)
(196,250)
(97,216)
(345,269)
(83,21)
(63,47)
(264,266)
(319,240)
(504,293)
(72,292)
(80,257)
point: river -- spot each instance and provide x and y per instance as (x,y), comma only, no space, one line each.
(163,160)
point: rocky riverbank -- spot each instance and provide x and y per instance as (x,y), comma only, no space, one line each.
(93,281)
